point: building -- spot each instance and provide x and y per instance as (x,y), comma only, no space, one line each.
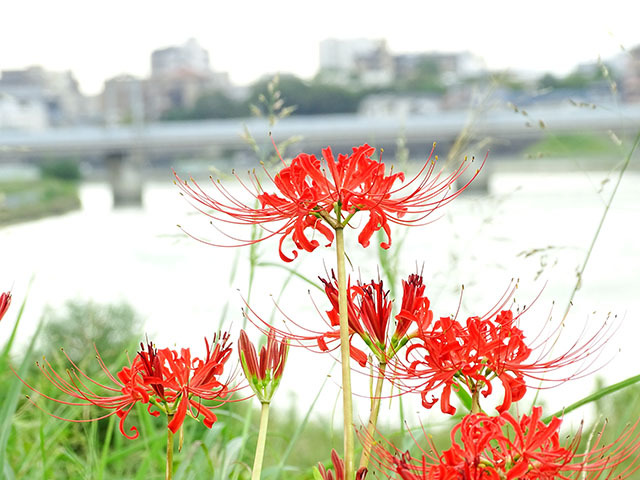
(179,76)
(362,62)
(189,57)
(449,68)
(57,92)
(22,114)
(124,100)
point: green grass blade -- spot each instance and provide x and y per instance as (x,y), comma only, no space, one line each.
(8,472)
(8,409)
(104,455)
(294,438)
(9,344)
(43,451)
(52,433)
(603,392)
(143,471)
(232,277)
(245,433)
(292,271)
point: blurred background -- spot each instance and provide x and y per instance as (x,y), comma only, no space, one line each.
(96,108)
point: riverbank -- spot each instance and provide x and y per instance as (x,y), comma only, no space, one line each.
(24,200)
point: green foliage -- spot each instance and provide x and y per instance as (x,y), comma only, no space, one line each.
(79,325)
(576,79)
(574,145)
(40,446)
(61,169)
(623,402)
(310,98)
(215,104)
(426,78)
(31,199)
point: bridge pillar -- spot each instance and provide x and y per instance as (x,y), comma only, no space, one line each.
(125,177)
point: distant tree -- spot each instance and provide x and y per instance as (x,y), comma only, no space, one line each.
(61,169)
(422,84)
(576,79)
(548,81)
(310,97)
(503,79)
(81,325)
(425,78)
(215,104)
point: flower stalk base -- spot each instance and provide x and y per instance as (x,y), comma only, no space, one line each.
(169,470)
(262,439)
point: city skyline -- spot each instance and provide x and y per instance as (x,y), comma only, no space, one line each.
(278,37)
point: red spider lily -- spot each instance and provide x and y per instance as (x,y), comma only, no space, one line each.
(174,383)
(338,469)
(370,318)
(5,301)
(369,312)
(152,367)
(414,308)
(263,372)
(452,356)
(187,382)
(307,197)
(123,391)
(504,447)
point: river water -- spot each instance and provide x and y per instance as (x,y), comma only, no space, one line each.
(535,227)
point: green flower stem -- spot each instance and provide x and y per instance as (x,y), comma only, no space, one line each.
(347,401)
(262,440)
(373,418)
(169,471)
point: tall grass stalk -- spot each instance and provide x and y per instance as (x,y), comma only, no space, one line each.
(580,273)
(583,267)
(10,402)
(294,438)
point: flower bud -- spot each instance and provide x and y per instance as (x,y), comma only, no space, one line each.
(264,371)
(5,301)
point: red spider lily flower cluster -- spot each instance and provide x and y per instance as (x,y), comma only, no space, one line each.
(451,355)
(502,447)
(307,197)
(5,301)
(369,312)
(167,381)
(370,318)
(263,371)
(321,473)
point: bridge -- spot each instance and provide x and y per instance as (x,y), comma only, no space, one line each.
(123,146)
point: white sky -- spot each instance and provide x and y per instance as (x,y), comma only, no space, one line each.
(98,40)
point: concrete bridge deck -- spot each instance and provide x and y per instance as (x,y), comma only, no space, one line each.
(315,131)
